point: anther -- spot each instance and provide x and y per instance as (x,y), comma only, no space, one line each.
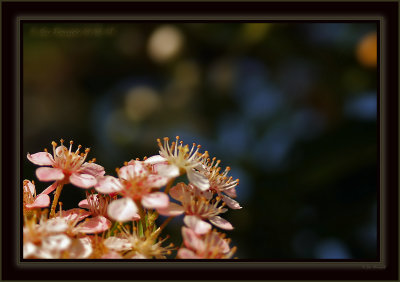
(61,141)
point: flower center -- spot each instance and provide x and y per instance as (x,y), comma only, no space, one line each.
(66,159)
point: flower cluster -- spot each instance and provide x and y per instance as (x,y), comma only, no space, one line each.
(120,217)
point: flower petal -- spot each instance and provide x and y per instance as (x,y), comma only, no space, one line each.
(117,244)
(50,189)
(198,225)
(55,225)
(231,203)
(29,249)
(231,192)
(41,158)
(83,180)
(84,204)
(122,210)
(108,185)
(221,223)
(156,181)
(191,240)
(92,169)
(28,185)
(74,214)
(49,174)
(167,170)
(177,192)
(197,179)
(155,159)
(184,253)
(41,201)
(173,209)
(80,248)
(57,242)
(94,225)
(133,170)
(155,200)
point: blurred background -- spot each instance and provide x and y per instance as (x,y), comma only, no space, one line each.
(290,107)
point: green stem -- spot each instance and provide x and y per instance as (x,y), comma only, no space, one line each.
(141,213)
(55,200)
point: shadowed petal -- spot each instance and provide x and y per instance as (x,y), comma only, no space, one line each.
(198,225)
(49,174)
(41,201)
(191,240)
(177,191)
(221,223)
(184,253)
(83,180)
(231,202)
(92,169)
(155,200)
(41,158)
(94,225)
(231,192)
(122,210)
(173,209)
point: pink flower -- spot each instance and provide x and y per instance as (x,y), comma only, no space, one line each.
(97,204)
(212,245)
(221,183)
(177,159)
(31,200)
(52,239)
(136,182)
(73,218)
(66,166)
(198,206)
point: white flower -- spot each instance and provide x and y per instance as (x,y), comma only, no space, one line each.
(177,159)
